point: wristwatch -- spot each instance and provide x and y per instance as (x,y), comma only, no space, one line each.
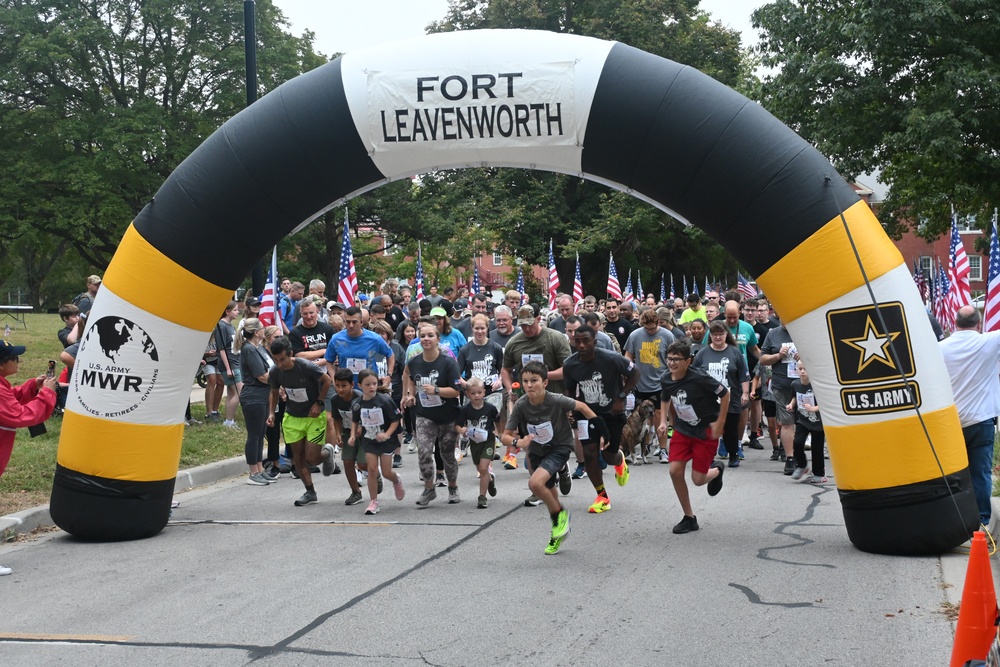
(622,395)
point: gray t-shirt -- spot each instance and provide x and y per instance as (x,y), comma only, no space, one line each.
(650,355)
(783,372)
(301,383)
(547,421)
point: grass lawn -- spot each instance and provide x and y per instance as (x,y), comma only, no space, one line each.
(27,482)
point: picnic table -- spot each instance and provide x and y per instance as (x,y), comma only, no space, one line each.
(16,313)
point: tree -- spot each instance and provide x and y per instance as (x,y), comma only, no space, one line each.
(908,87)
(100,100)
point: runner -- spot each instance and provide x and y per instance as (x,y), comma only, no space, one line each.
(340,410)
(603,380)
(541,415)
(374,420)
(477,420)
(646,346)
(304,423)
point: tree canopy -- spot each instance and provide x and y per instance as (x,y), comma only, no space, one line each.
(907,87)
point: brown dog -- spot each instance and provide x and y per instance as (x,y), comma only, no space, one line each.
(636,432)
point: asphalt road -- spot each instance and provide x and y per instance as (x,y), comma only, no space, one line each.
(242,576)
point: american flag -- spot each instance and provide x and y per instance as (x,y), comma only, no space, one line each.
(958,269)
(638,285)
(614,287)
(420,275)
(577,284)
(745,288)
(943,303)
(919,281)
(663,288)
(520,286)
(673,294)
(347,286)
(992,310)
(553,279)
(628,294)
(707,288)
(475,278)
(268,304)
(685,287)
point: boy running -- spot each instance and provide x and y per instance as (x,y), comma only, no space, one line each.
(477,421)
(340,411)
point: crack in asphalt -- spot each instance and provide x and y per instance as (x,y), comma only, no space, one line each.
(800,541)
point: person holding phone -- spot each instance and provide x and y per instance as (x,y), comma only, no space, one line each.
(29,404)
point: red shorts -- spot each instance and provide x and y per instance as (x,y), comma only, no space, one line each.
(701,452)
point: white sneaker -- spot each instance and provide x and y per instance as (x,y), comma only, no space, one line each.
(411,448)
(4,571)
(798,472)
(664,458)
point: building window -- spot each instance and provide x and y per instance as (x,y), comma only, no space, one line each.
(975,268)
(967,224)
(926,265)
(388,246)
(497,259)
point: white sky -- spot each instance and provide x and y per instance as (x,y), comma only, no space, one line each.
(347,25)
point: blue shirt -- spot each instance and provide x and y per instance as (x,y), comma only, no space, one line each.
(356,353)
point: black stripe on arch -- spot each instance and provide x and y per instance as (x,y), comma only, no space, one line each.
(265,171)
(701,149)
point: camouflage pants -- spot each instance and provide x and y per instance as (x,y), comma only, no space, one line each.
(427,434)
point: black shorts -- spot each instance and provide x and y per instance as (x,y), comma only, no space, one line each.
(380,448)
(616,424)
(551,460)
(770,408)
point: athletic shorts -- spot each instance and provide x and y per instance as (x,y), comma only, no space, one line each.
(350,452)
(699,451)
(312,429)
(551,460)
(380,448)
(770,409)
(481,450)
(782,397)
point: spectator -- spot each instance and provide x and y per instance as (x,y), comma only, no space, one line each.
(70,315)
(229,366)
(85,300)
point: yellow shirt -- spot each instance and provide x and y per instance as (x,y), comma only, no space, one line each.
(691,315)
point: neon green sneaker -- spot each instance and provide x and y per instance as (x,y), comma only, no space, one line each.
(621,472)
(561,529)
(553,547)
(602,504)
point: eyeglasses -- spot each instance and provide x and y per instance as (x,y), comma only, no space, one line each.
(675,360)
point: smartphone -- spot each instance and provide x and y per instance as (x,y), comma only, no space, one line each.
(51,372)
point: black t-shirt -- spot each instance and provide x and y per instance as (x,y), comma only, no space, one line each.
(597,383)
(341,410)
(727,367)
(620,329)
(442,372)
(301,384)
(695,398)
(395,316)
(317,338)
(374,416)
(481,362)
(804,396)
(482,420)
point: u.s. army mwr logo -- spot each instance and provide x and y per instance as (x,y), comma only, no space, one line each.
(874,355)
(861,344)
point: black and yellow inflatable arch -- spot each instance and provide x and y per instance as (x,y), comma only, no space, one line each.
(604,111)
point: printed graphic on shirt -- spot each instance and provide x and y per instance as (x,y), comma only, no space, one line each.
(683,409)
(867,351)
(592,390)
(649,353)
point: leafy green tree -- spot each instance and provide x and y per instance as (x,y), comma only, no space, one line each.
(908,87)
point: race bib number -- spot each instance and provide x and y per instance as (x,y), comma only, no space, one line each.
(297,394)
(429,400)
(630,402)
(525,358)
(345,416)
(685,412)
(478,434)
(356,365)
(582,426)
(372,417)
(543,432)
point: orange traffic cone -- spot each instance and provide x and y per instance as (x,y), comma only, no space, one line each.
(977,617)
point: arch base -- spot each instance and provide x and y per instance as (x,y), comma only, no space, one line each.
(99,509)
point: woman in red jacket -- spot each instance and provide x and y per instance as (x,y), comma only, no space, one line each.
(26,405)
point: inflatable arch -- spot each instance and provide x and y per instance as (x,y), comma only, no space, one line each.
(601,110)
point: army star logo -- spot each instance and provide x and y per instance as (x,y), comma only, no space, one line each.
(872,346)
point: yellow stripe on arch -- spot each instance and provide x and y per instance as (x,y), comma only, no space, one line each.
(148,279)
(892,453)
(119,450)
(828,253)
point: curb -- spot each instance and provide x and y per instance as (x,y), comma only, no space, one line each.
(29,519)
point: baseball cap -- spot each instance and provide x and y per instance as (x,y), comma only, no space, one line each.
(461,304)
(526,314)
(253,301)
(8,351)
(335,304)
(439,312)
(93,280)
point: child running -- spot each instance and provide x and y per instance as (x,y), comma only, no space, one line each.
(340,411)
(807,423)
(476,421)
(542,416)
(697,405)
(374,420)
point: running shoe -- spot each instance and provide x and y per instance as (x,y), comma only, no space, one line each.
(257,479)
(372,507)
(397,461)
(716,484)
(734,461)
(739,452)
(532,501)
(329,460)
(426,497)
(453,498)
(602,504)
(686,525)
(397,487)
(492,488)
(407,439)
(754,443)
(815,479)
(307,498)
(4,571)
(579,472)
(722,452)
(483,503)
(561,528)
(565,481)
(510,463)
(621,473)
(354,498)
(272,474)
(439,480)
(775,454)
(411,448)
(664,456)
(553,546)
(799,472)
(670,431)
(789,466)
